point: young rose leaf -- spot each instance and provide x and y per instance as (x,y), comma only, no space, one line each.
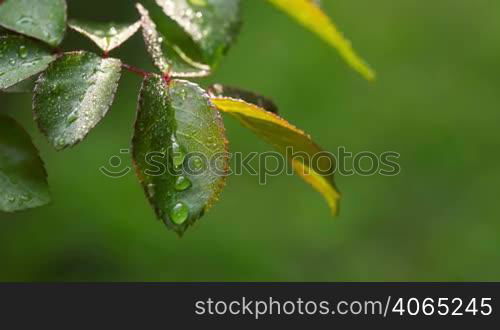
(218,90)
(41,19)
(73,95)
(21,58)
(23,180)
(106,36)
(168,57)
(309,14)
(309,161)
(212,24)
(179,150)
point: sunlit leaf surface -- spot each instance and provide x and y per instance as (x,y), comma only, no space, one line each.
(218,90)
(315,170)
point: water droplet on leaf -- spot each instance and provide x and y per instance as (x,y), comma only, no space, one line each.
(182,183)
(179,213)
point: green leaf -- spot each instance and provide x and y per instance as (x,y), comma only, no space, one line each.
(167,57)
(212,24)
(25,86)
(218,90)
(41,19)
(309,14)
(23,180)
(21,58)
(106,36)
(315,170)
(73,95)
(179,150)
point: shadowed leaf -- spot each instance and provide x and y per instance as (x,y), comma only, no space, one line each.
(73,95)
(218,90)
(179,150)
(20,59)
(311,163)
(41,19)
(106,36)
(23,180)
(309,14)
(168,57)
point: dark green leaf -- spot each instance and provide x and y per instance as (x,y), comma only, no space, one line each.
(73,95)
(21,58)
(107,36)
(211,24)
(315,170)
(41,19)
(25,86)
(166,56)
(23,180)
(218,90)
(179,150)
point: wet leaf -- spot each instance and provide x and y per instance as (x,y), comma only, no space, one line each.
(166,56)
(218,90)
(41,19)
(73,95)
(20,59)
(23,180)
(106,36)
(179,150)
(309,14)
(25,86)
(315,170)
(212,24)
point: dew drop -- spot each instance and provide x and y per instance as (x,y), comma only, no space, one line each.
(179,213)
(182,183)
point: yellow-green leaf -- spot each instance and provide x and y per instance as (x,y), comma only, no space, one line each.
(317,171)
(309,14)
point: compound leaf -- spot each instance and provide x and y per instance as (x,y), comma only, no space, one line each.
(212,24)
(23,180)
(41,19)
(167,56)
(73,95)
(309,14)
(311,163)
(106,36)
(20,59)
(179,150)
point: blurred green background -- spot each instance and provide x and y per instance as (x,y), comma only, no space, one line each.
(436,102)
